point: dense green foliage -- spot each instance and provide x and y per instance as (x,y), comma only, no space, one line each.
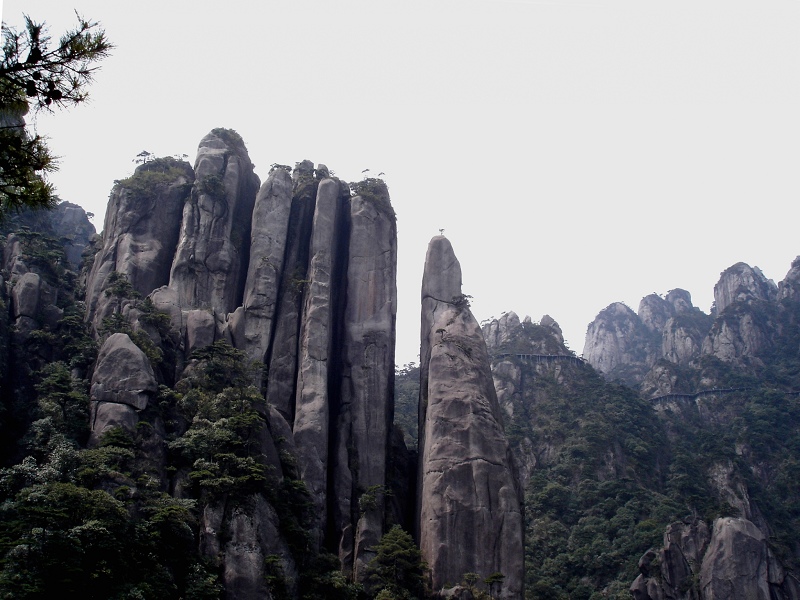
(397,571)
(374,190)
(153,176)
(608,472)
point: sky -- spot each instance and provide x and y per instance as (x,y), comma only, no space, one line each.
(575,152)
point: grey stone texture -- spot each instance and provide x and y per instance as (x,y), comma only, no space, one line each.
(470,515)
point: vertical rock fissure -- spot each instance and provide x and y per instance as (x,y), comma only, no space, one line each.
(282,352)
(336,366)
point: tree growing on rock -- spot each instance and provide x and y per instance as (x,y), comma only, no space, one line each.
(397,570)
(35,74)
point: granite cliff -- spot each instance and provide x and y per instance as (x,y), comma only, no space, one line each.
(237,355)
(650,348)
(299,275)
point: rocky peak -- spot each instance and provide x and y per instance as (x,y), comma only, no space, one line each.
(618,340)
(510,335)
(441,279)
(210,264)
(742,283)
(790,286)
(681,300)
(654,311)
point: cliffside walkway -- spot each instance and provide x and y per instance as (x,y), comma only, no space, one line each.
(711,392)
(543,358)
(700,394)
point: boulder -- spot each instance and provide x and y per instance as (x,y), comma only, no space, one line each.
(731,561)
(736,564)
(122,375)
(201,330)
(25,296)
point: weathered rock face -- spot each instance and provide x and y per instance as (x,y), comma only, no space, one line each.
(252,330)
(682,338)
(312,405)
(71,224)
(243,540)
(509,335)
(740,333)
(745,305)
(537,350)
(302,277)
(617,338)
(654,312)
(732,562)
(141,231)
(211,260)
(470,517)
(664,378)
(122,384)
(742,283)
(283,350)
(668,573)
(790,286)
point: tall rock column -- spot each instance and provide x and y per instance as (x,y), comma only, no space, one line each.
(283,350)
(312,404)
(366,405)
(211,261)
(470,514)
(252,323)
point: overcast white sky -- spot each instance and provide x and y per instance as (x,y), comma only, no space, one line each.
(576,153)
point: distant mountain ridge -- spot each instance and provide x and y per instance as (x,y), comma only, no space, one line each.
(647,349)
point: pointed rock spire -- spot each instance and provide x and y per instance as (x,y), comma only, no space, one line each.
(470,515)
